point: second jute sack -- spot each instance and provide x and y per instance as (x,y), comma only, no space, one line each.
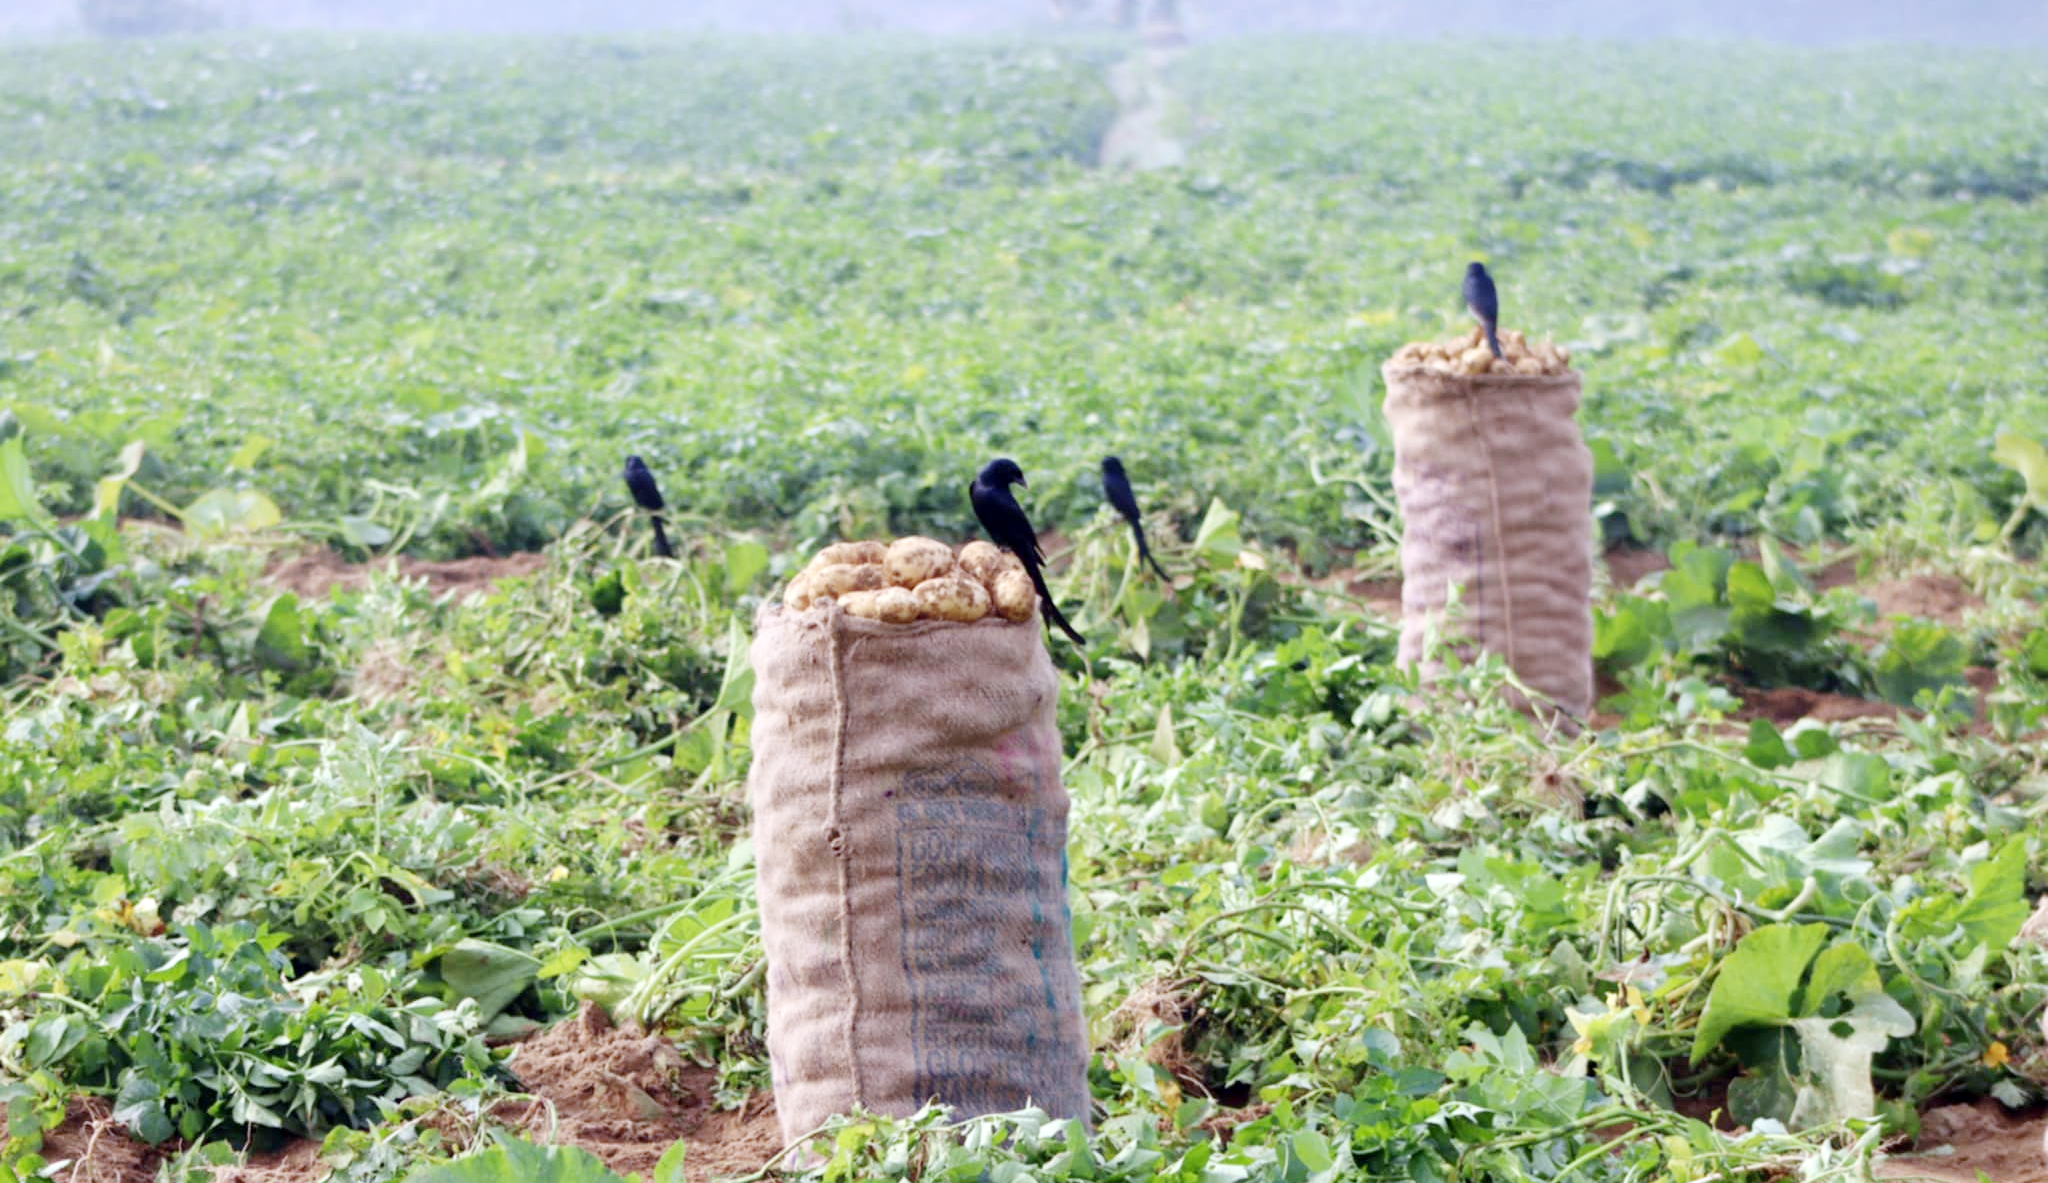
(1496,487)
(910,837)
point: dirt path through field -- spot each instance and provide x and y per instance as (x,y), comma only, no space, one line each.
(316,573)
(1151,119)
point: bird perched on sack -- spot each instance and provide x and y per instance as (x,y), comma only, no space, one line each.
(1117,487)
(1008,528)
(647,495)
(1484,302)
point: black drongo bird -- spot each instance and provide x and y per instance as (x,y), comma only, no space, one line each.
(1117,487)
(647,495)
(1484,302)
(1008,528)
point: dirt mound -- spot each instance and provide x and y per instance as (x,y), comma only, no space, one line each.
(1785,705)
(627,1096)
(98,1148)
(617,1092)
(296,1163)
(1629,565)
(315,573)
(1837,572)
(1930,596)
(1988,1143)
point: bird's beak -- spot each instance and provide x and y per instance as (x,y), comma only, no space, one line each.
(1024,483)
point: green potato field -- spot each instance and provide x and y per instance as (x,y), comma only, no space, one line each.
(353,735)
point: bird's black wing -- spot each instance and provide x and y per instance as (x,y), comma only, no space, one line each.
(640,483)
(1008,528)
(1118,487)
(1484,301)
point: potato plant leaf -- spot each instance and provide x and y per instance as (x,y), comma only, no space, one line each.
(516,1161)
(219,511)
(106,493)
(491,974)
(2028,458)
(281,643)
(140,1106)
(1919,655)
(17,485)
(1758,983)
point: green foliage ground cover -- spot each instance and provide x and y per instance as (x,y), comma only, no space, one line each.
(425,295)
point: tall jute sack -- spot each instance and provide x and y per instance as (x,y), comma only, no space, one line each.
(1496,487)
(910,838)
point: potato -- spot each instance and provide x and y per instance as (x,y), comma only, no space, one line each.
(897,605)
(952,598)
(1470,354)
(911,561)
(863,604)
(867,551)
(986,561)
(1015,598)
(798,595)
(892,605)
(836,579)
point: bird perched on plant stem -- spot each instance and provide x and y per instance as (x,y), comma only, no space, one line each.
(647,495)
(1484,302)
(1117,487)
(1008,528)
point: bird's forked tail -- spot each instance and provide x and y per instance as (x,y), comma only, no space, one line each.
(1145,552)
(1052,610)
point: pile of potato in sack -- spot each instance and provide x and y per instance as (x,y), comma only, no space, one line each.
(1495,486)
(1469,355)
(910,827)
(910,836)
(914,579)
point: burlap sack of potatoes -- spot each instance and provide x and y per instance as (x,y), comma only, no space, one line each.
(910,838)
(1496,487)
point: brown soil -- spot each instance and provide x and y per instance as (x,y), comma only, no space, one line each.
(99,1150)
(1709,1105)
(315,573)
(1785,705)
(627,1096)
(1220,1126)
(1628,565)
(1839,573)
(297,1163)
(617,1092)
(1929,596)
(1383,596)
(1988,1142)
(1381,592)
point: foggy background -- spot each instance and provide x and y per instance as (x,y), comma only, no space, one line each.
(1803,21)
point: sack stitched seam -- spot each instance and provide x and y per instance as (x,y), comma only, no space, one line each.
(841,706)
